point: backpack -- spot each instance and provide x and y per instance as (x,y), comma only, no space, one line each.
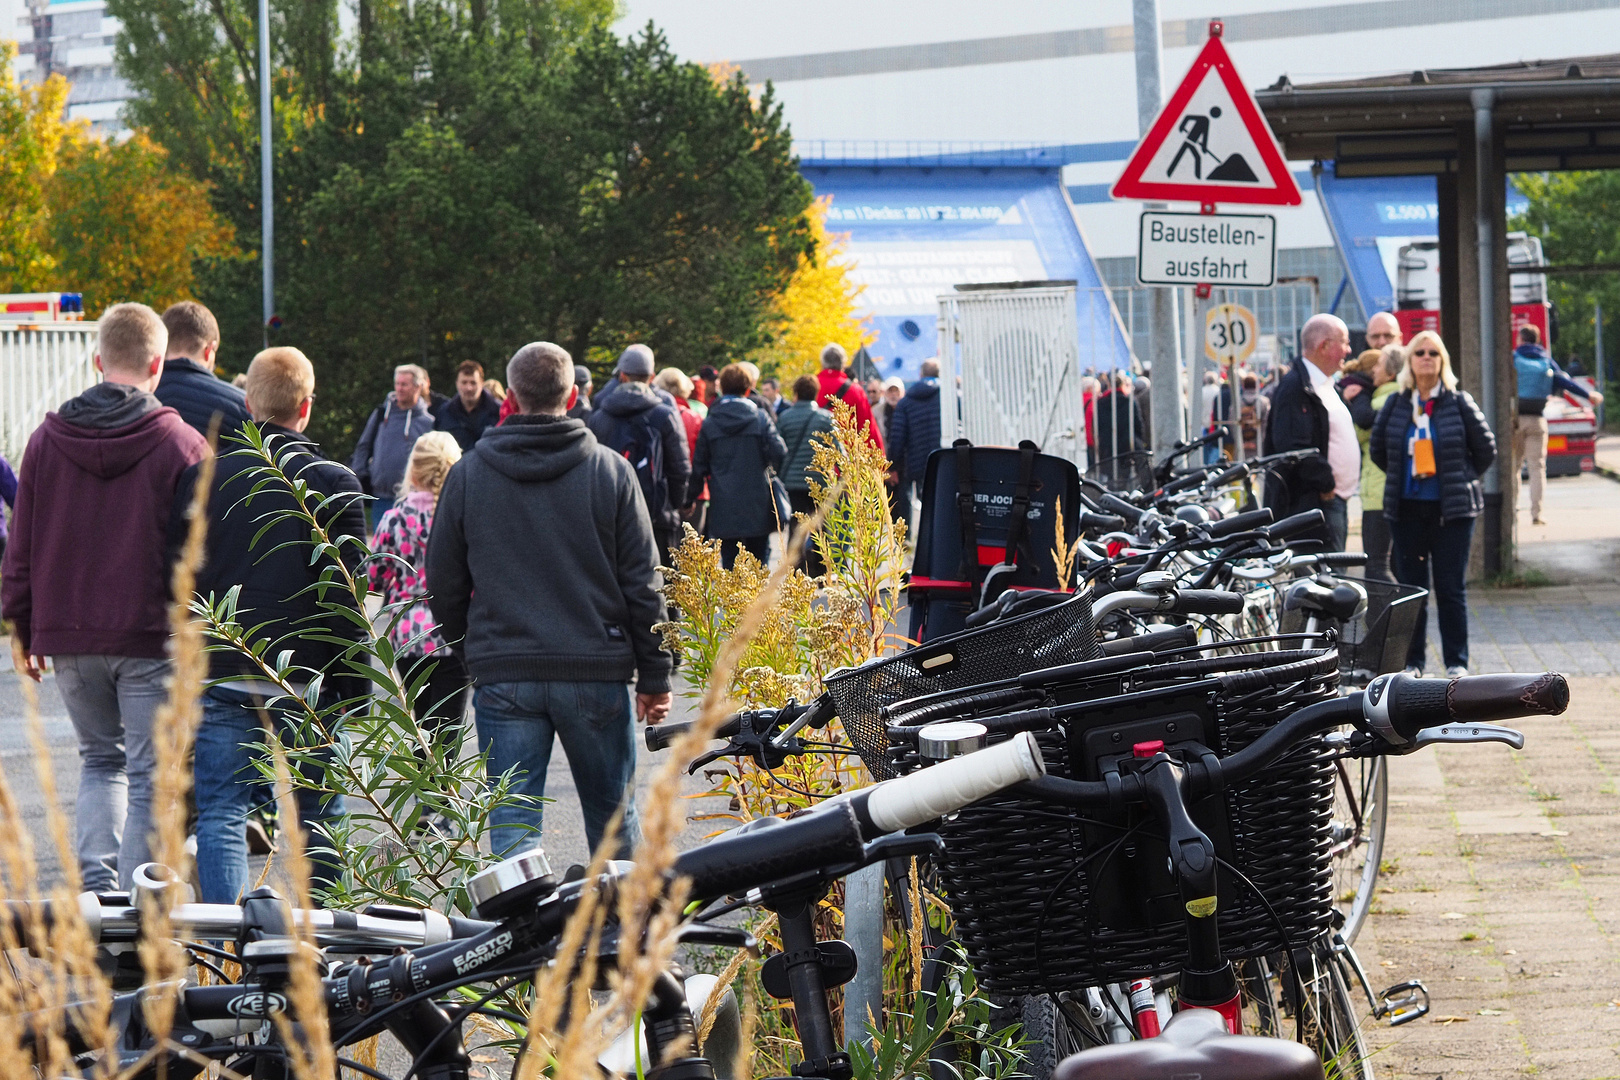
(638,442)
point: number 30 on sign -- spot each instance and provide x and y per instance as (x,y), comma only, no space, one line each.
(1229,333)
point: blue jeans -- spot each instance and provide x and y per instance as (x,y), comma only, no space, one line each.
(229,739)
(1425,549)
(516,724)
(1337,513)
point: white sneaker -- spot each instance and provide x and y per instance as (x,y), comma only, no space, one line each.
(1456,672)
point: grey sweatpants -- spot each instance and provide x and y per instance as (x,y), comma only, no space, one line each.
(112,701)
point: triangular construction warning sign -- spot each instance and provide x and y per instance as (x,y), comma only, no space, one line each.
(1210,144)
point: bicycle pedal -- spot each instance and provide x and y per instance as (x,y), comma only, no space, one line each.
(1403,1003)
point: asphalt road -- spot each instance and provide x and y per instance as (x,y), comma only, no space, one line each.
(563,835)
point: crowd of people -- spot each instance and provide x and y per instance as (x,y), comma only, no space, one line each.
(543,613)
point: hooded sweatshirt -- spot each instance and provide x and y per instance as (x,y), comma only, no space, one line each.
(735,445)
(541,566)
(86,570)
(636,404)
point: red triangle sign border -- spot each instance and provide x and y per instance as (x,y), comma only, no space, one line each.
(1283,190)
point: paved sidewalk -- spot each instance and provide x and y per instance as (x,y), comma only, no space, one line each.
(1503,895)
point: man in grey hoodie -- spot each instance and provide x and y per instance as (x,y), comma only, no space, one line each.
(542,573)
(384,449)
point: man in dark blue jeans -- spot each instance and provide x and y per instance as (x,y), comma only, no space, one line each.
(542,575)
(268,562)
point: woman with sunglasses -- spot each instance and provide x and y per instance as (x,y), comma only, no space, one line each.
(1432,442)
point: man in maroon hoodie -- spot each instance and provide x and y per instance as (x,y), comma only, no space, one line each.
(86,579)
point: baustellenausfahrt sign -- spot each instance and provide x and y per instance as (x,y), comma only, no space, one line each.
(1231,250)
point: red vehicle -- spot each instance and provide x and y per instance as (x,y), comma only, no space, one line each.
(1571,433)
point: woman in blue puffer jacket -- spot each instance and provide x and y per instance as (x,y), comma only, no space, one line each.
(1433,444)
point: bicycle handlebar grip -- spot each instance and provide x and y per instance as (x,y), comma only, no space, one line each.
(731,864)
(1207,602)
(1399,706)
(1131,514)
(1100,522)
(1186,483)
(1237,523)
(1342,558)
(1293,526)
(660,736)
(944,788)
(1226,476)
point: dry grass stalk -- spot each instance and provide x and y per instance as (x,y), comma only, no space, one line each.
(743,1067)
(711,1007)
(916,930)
(309,1043)
(174,728)
(1064,551)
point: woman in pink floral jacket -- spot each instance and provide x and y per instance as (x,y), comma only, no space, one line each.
(402,532)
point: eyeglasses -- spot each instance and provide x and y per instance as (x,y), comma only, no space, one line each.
(1424,352)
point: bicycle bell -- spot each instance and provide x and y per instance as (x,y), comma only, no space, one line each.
(510,883)
(936,742)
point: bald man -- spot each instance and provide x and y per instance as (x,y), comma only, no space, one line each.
(1383,329)
(1307,414)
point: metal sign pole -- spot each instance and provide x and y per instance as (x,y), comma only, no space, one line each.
(1164,346)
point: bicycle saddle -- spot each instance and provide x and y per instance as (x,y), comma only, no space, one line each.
(1343,601)
(1195,1043)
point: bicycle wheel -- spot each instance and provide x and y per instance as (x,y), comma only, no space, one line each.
(1050,1035)
(1307,997)
(1360,814)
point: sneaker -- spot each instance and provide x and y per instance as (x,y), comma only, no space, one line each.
(1415,672)
(1456,671)
(1537,521)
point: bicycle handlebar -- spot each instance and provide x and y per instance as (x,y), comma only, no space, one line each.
(1237,523)
(1131,514)
(111,919)
(1207,602)
(1100,522)
(1293,526)
(1399,706)
(1395,707)
(836,831)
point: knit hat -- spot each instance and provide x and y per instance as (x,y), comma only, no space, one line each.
(636,360)
(582,375)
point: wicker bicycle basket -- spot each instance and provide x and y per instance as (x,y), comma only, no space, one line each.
(1048,899)
(1056,635)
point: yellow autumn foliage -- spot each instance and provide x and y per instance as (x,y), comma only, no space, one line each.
(817,306)
(81,214)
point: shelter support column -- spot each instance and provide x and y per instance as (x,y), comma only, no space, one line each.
(1478,328)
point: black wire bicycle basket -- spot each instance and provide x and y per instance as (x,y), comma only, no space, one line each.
(1048,899)
(1061,634)
(1376,642)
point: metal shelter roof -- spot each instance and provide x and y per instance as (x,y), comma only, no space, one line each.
(1554,114)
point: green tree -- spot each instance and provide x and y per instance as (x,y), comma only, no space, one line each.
(1577,216)
(469,175)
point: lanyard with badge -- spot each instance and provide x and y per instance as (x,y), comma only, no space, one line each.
(1420,444)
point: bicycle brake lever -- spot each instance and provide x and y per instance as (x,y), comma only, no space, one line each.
(903,845)
(706,758)
(1467,733)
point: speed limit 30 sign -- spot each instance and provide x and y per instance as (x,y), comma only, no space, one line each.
(1230,331)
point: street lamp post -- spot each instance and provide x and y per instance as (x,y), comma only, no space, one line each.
(266,179)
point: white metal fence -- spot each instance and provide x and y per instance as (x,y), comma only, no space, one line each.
(1016,353)
(41,366)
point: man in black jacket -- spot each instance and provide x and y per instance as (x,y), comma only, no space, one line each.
(189,385)
(274,574)
(1307,414)
(634,423)
(542,576)
(473,409)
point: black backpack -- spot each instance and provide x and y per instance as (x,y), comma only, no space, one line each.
(642,445)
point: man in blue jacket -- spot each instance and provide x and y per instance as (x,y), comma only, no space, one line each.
(189,385)
(1539,378)
(914,434)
